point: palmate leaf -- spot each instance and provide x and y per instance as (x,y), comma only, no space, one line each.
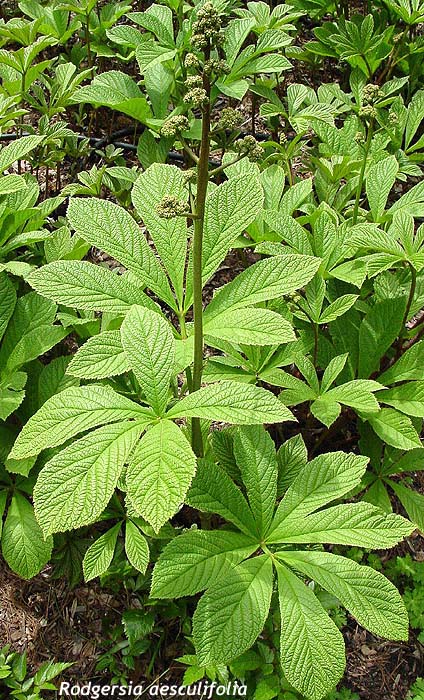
(195,560)
(409,366)
(266,279)
(366,593)
(75,486)
(312,648)
(136,547)
(380,180)
(149,347)
(168,235)
(353,524)
(255,455)
(232,613)
(73,411)
(229,209)
(251,326)
(17,150)
(292,457)
(212,491)
(377,332)
(412,501)
(7,301)
(232,402)
(160,472)
(31,312)
(407,398)
(117,90)
(100,357)
(322,480)
(99,555)
(111,228)
(83,285)
(23,546)
(395,428)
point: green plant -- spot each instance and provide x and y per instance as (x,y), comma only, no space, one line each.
(416,692)
(14,676)
(359,41)
(234,609)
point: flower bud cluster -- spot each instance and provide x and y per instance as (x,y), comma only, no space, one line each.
(217,66)
(190,175)
(170,207)
(393,118)
(193,81)
(370,93)
(283,139)
(191,61)
(175,125)
(196,97)
(359,137)
(229,119)
(207,28)
(249,147)
(368,112)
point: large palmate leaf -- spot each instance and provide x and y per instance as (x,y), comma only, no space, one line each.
(117,90)
(31,312)
(23,546)
(100,357)
(395,429)
(354,524)
(366,593)
(84,285)
(110,228)
(7,301)
(168,235)
(149,347)
(136,547)
(326,478)
(99,555)
(160,472)
(255,455)
(380,180)
(75,486)
(232,613)
(229,209)
(266,279)
(377,332)
(195,560)
(212,491)
(17,150)
(232,402)
(409,366)
(73,411)
(251,326)
(407,398)
(312,648)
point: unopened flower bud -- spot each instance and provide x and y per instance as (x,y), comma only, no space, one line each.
(249,147)
(191,61)
(368,112)
(229,119)
(196,97)
(170,207)
(190,175)
(370,93)
(193,81)
(393,118)
(207,27)
(175,125)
